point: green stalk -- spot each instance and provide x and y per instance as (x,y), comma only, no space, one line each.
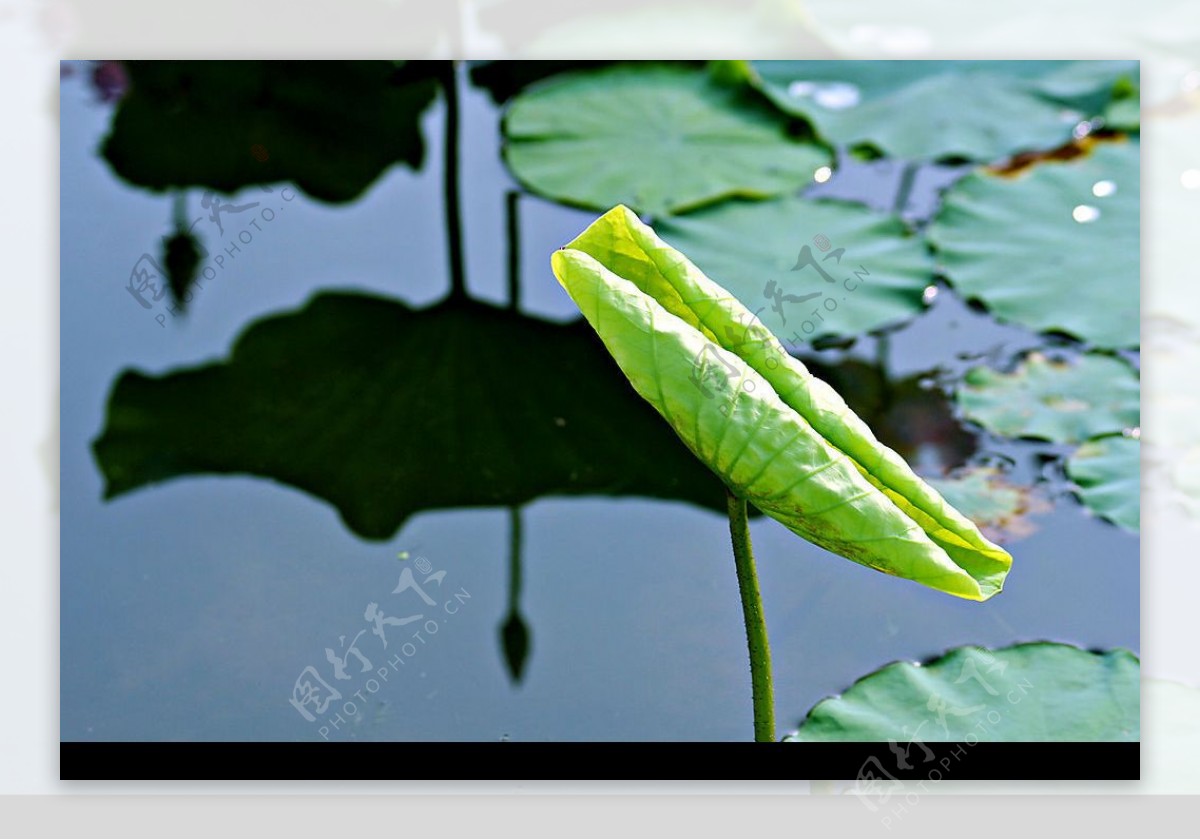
(756,625)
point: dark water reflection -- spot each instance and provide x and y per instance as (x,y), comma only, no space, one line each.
(190,608)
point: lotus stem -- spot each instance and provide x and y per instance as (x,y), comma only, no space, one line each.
(756,625)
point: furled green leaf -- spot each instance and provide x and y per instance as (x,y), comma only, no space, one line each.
(928,110)
(776,435)
(1061,401)
(806,268)
(384,411)
(1040,691)
(660,138)
(331,127)
(1107,473)
(1054,248)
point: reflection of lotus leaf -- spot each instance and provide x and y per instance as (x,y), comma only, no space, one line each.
(384,411)
(331,127)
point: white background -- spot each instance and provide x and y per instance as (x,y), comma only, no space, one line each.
(34,36)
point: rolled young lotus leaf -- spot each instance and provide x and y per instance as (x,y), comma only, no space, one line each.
(776,435)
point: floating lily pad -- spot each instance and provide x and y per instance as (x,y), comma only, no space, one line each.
(1056,400)
(1107,472)
(930,110)
(808,268)
(1054,248)
(331,127)
(383,411)
(1029,692)
(660,138)
(999,507)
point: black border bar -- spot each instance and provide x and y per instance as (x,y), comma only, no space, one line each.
(879,763)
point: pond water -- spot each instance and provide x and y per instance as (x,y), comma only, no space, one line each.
(189,608)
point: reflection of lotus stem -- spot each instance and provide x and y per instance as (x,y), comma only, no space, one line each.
(458,276)
(756,625)
(513,228)
(907,177)
(514,560)
(179,211)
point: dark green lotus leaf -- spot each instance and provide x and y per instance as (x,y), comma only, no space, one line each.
(808,268)
(1040,691)
(1054,248)
(1107,475)
(776,435)
(661,138)
(330,127)
(1058,400)
(383,411)
(1000,508)
(929,110)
